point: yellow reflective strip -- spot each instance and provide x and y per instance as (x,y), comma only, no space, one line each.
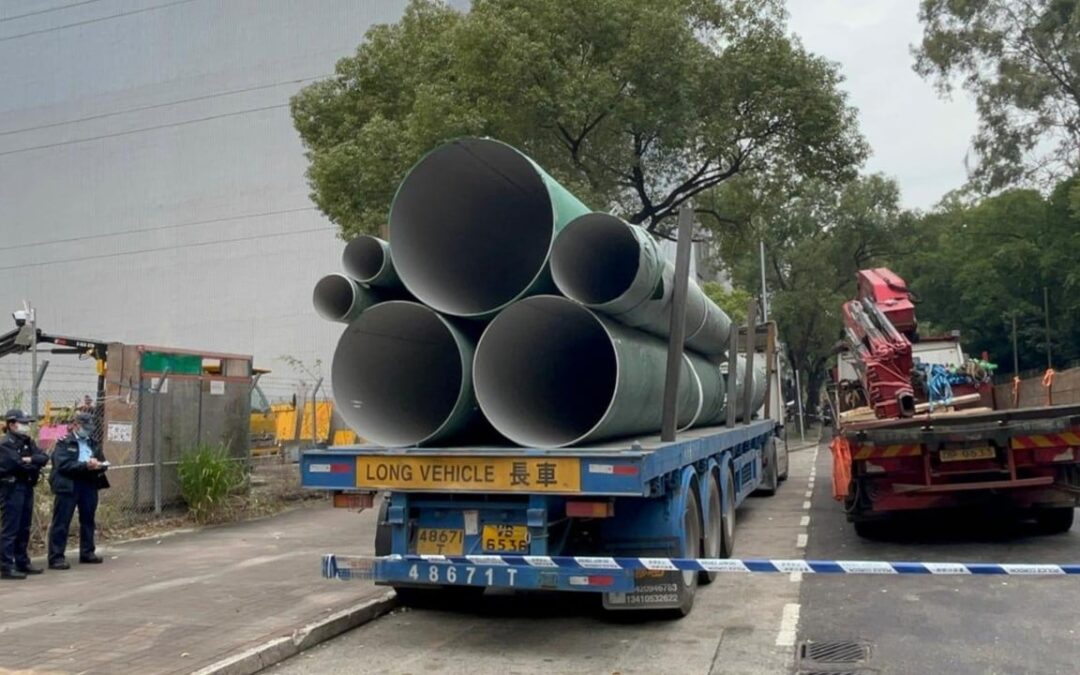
(1070,438)
(1043,441)
(892,451)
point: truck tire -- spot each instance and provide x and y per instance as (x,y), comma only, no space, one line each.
(1056,520)
(727,545)
(692,549)
(772,472)
(714,530)
(868,529)
(783,475)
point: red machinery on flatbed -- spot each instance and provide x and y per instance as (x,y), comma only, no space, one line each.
(898,447)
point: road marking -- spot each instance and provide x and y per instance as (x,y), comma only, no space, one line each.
(805,521)
(809,494)
(789,625)
(796,577)
(806,505)
(800,541)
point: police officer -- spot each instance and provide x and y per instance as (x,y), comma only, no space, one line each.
(21,461)
(78,473)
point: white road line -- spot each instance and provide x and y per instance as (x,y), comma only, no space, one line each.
(809,494)
(800,541)
(806,505)
(796,577)
(805,521)
(789,625)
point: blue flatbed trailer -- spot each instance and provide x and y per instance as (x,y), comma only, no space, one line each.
(454,521)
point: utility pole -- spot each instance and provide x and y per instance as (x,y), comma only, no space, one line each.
(1046,312)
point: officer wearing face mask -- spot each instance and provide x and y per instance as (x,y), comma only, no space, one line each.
(21,461)
(78,473)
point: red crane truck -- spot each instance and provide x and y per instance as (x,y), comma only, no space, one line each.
(918,426)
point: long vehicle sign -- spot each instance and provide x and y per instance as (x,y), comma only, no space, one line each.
(479,474)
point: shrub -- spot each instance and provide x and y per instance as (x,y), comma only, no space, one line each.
(207,476)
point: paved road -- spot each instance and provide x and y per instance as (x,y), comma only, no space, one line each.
(755,624)
(734,627)
(919,624)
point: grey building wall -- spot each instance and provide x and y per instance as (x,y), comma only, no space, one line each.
(151,183)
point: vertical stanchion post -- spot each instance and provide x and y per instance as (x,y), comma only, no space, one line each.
(751,349)
(732,391)
(678,325)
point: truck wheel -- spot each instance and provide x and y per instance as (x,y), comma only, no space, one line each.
(714,532)
(772,474)
(1056,520)
(691,549)
(868,529)
(727,545)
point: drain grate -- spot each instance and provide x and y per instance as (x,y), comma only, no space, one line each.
(835,651)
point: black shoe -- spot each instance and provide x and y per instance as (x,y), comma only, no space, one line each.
(30,569)
(59,565)
(92,559)
(12,574)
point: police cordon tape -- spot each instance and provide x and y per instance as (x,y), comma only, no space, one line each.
(335,566)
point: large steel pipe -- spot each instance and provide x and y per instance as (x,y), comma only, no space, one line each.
(472,225)
(367,259)
(550,373)
(740,380)
(402,376)
(618,269)
(338,298)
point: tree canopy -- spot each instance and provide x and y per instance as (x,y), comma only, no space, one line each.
(635,105)
(1021,61)
(816,237)
(976,267)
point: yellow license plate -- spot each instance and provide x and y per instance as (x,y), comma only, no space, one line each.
(966,454)
(436,541)
(469,474)
(505,538)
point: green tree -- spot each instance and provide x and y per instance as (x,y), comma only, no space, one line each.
(735,302)
(816,238)
(1021,61)
(635,105)
(976,267)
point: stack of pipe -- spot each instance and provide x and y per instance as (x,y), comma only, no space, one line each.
(509,307)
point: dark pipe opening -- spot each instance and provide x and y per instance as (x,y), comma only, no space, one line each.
(545,372)
(363,258)
(471,227)
(333,297)
(397,374)
(595,258)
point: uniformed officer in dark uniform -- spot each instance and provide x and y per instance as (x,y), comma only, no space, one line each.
(78,473)
(21,461)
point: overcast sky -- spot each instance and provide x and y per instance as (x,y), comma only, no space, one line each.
(915,136)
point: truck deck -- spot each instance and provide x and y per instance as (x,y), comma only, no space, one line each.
(618,468)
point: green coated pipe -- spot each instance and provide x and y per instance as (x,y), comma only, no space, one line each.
(367,259)
(740,379)
(618,269)
(402,376)
(472,226)
(338,298)
(550,372)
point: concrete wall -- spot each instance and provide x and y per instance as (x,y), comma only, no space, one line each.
(1066,390)
(152,187)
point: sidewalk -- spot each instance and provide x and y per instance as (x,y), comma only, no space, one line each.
(176,604)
